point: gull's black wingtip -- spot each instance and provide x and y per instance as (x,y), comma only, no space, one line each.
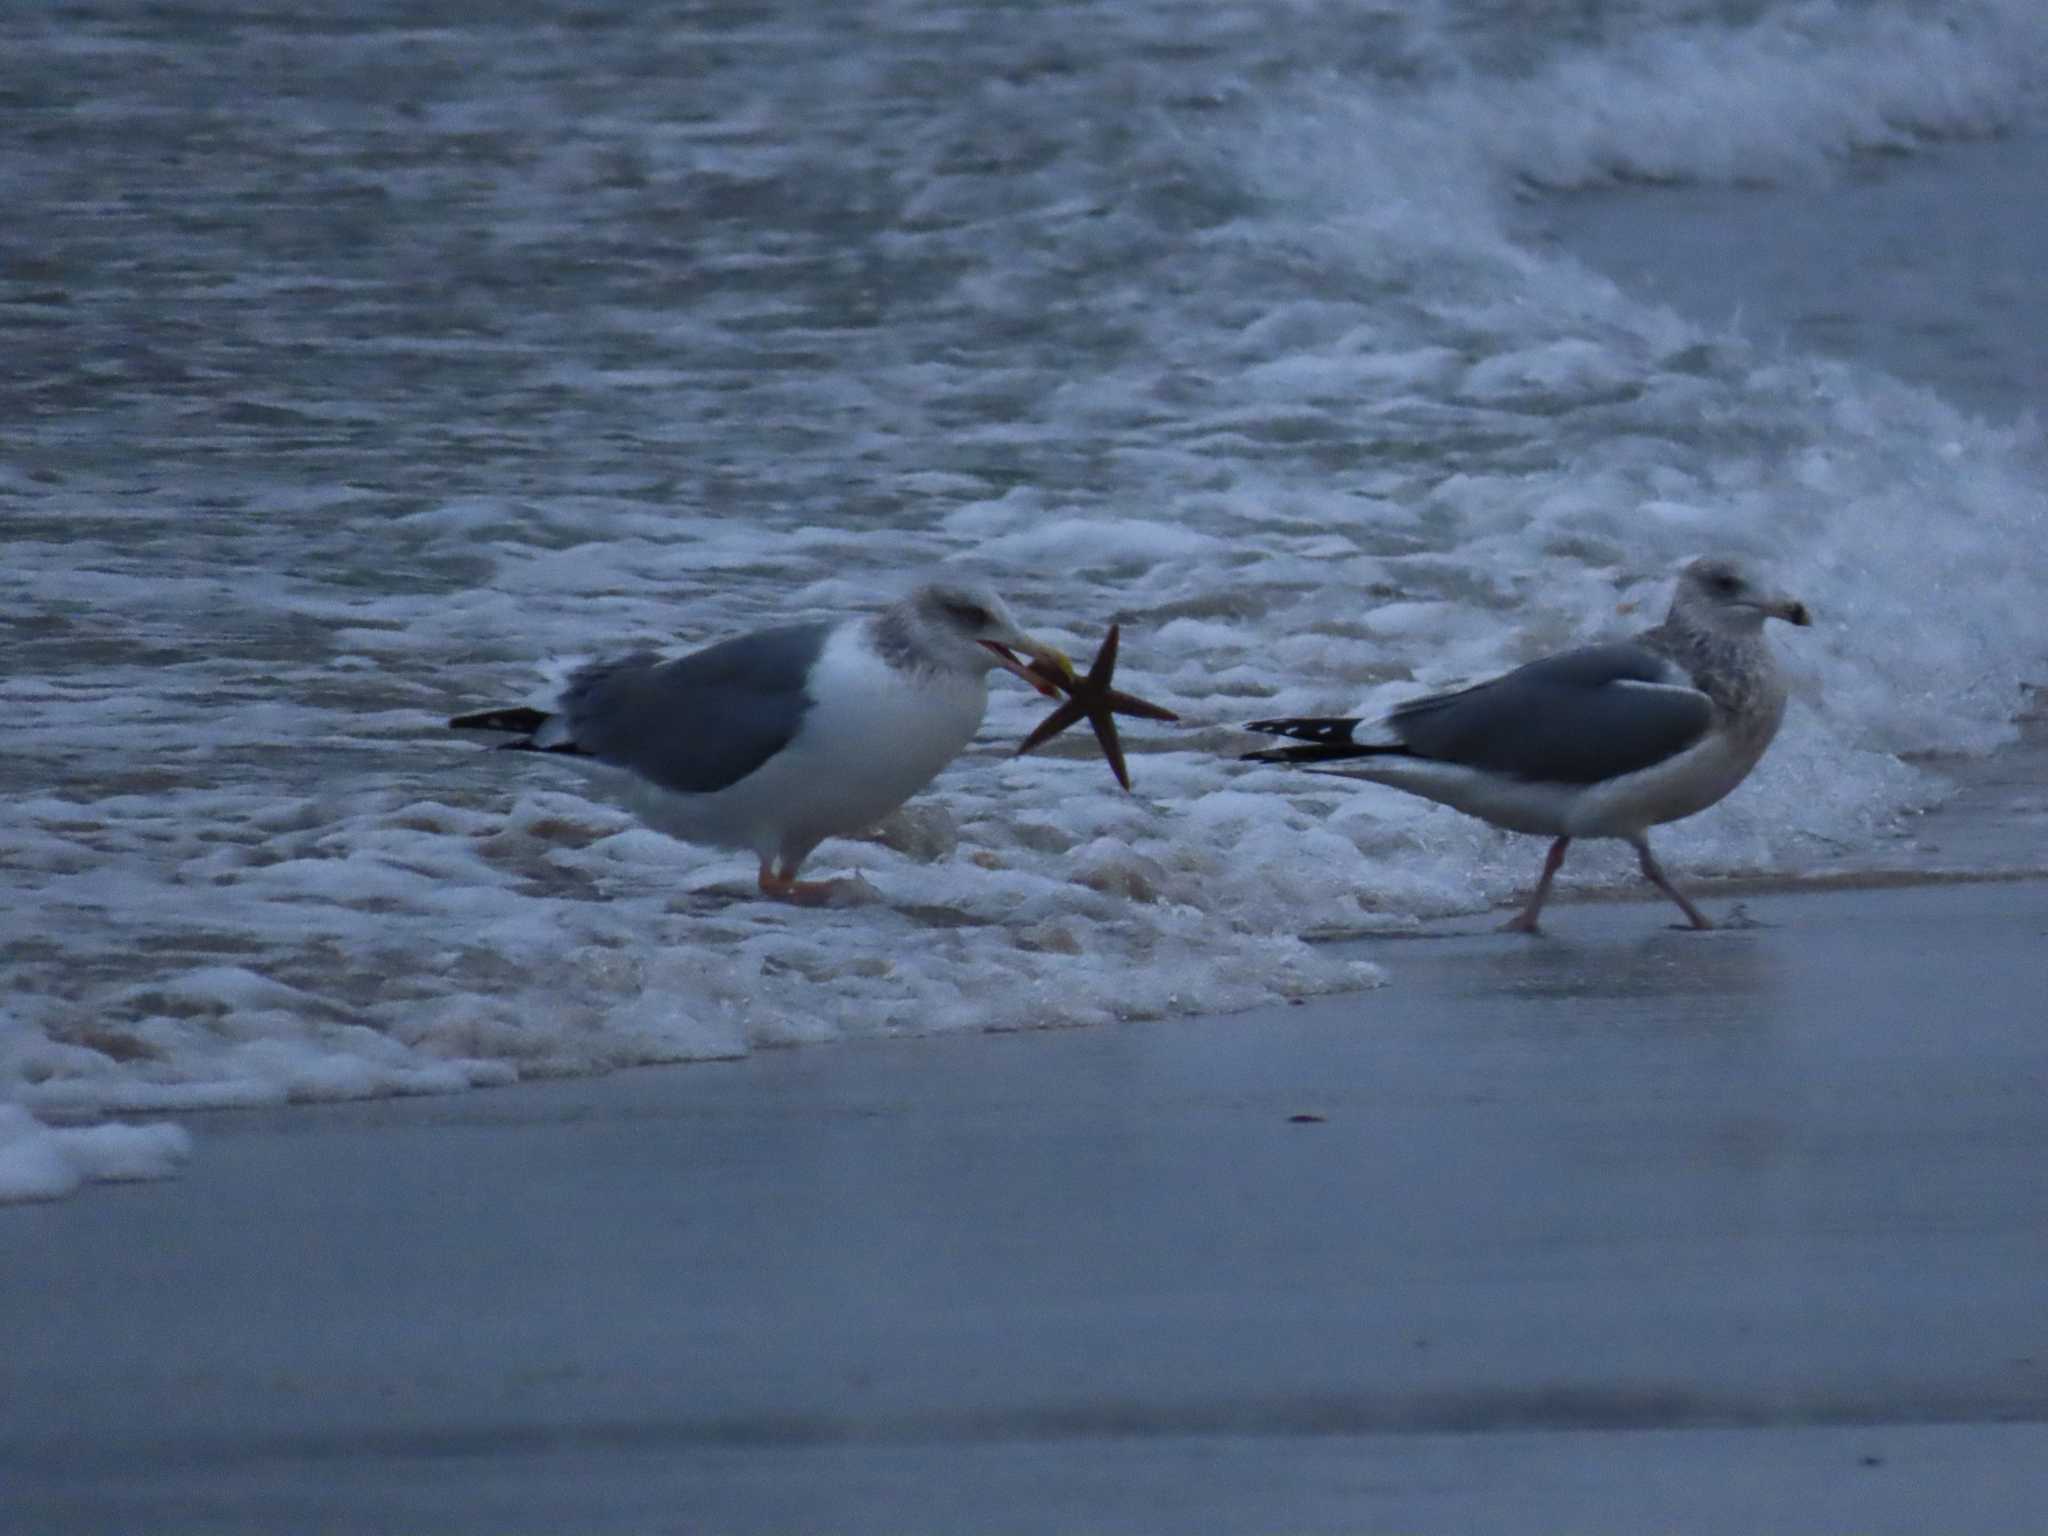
(1323,740)
(520,719)
(523,723)
(1324,731)
(1316,752)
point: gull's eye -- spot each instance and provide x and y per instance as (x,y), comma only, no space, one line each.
(971,614)
(1725,583)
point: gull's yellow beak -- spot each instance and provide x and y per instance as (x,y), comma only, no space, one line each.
(1049,664)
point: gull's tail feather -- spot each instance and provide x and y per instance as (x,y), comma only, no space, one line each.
(1328,741)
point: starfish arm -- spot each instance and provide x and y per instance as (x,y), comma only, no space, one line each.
(1103,668)
(1052,725)
(1143,709)
(1105,732)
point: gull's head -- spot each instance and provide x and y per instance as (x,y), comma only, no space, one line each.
(970,629)
(1721,594)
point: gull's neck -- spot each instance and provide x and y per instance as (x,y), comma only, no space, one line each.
(1729,662)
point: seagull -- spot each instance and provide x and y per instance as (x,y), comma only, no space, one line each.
(1603,741)
(776,740)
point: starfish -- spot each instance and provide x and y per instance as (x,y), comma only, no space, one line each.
(1092,697)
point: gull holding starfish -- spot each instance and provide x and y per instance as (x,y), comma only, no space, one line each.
(776,740)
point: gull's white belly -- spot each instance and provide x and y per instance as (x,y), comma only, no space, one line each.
(873,737)
(1668,791)
(1679,786)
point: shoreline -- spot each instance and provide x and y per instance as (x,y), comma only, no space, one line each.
(1986,798)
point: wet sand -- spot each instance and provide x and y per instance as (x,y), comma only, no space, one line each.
(1619,1229)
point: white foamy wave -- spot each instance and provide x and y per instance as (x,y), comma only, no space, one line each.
(1781,97)
(569,939)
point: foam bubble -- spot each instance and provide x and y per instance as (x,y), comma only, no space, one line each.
(43,1162)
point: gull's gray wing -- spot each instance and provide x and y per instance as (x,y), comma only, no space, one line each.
(698,723)
(1575,718)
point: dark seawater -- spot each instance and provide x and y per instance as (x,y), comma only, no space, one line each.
(1925,267)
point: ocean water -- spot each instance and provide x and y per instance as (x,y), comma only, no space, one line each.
(360,359)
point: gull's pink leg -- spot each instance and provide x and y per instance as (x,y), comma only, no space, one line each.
(783,885)
(1655,875)
(1524,921)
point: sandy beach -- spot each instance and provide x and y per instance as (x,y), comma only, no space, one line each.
(1620,1229)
